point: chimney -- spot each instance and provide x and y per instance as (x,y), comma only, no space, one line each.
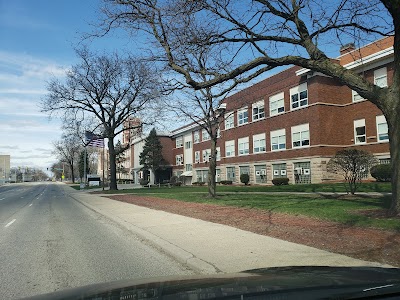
(347,48)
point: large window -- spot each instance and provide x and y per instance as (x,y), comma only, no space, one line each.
(197,157)
(179,159)
(259,143)
(244,170)
(205,135)
(188,145)
(229,120)
(229,148)
(243,116)
(278,140)
(243,146)
(382,129)
(360,136)
(206,155)
(258,110)
(300,136)
(380,77)
(196,137)
(201,175)
(279,170)
(260,172)
(276,104)
(179,142)
(188,167)
(356,97)
(299,96)
(230,173)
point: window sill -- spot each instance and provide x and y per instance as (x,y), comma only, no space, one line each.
(297,108)
(260,119)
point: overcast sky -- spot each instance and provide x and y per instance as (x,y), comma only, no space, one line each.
(37,41)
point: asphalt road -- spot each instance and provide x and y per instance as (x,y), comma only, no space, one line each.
(49,242)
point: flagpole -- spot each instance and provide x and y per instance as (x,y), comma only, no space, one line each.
(84,167)
(103,163)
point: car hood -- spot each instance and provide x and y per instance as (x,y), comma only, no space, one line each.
(290,282)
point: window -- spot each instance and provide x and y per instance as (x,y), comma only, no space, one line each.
(302,173)
(244,170)
(205,135)
(243,146)
(279,170)
(230,173)
(276,104)
(217,175)
(218,158)
(188,167)
(196,137)
(229,121)
(258,110)
(380,77)
(179,142)
(206,155)
(384,161)
(360,136)
(229,148)
(299,96)
(197,157)
(300,136)
(188,145)
(179,159)
(278,140)
(382,129)
(201,175)
(243,116)
(260,173)
(259,143)
(356,96)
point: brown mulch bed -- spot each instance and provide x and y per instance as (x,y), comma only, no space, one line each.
(362,243)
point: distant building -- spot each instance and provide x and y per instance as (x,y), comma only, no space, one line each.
(4,168)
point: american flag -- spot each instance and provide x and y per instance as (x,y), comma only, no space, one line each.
(94,140)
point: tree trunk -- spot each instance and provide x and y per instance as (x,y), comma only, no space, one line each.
(113,165)
(211,169)
(394,140)
(71,166)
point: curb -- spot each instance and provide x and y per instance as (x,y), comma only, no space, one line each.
(170,249)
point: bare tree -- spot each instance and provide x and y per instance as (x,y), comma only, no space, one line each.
(353,165)
(108,88)
(67,150)
(259,35)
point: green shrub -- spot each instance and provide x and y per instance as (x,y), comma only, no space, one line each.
(226,182)
(280,181)
(173,179)
(381,172)
(201,183)
(245,178)
(178,183)
(143,182)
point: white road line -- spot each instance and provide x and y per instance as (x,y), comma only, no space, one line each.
(9,223)
(30,204)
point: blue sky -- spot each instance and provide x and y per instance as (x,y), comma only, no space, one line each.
(37,42)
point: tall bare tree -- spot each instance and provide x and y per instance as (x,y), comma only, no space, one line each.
(259,35)
(108,88)
(67,150)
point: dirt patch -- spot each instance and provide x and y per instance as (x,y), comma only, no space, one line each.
(362,243)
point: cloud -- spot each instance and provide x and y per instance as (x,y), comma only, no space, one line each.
(9,147)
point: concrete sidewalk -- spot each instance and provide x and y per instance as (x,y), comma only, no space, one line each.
(209,247)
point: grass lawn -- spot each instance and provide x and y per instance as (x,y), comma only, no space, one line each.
(383,187)
(328,207)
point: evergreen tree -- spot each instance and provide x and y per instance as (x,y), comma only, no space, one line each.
(151,157)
